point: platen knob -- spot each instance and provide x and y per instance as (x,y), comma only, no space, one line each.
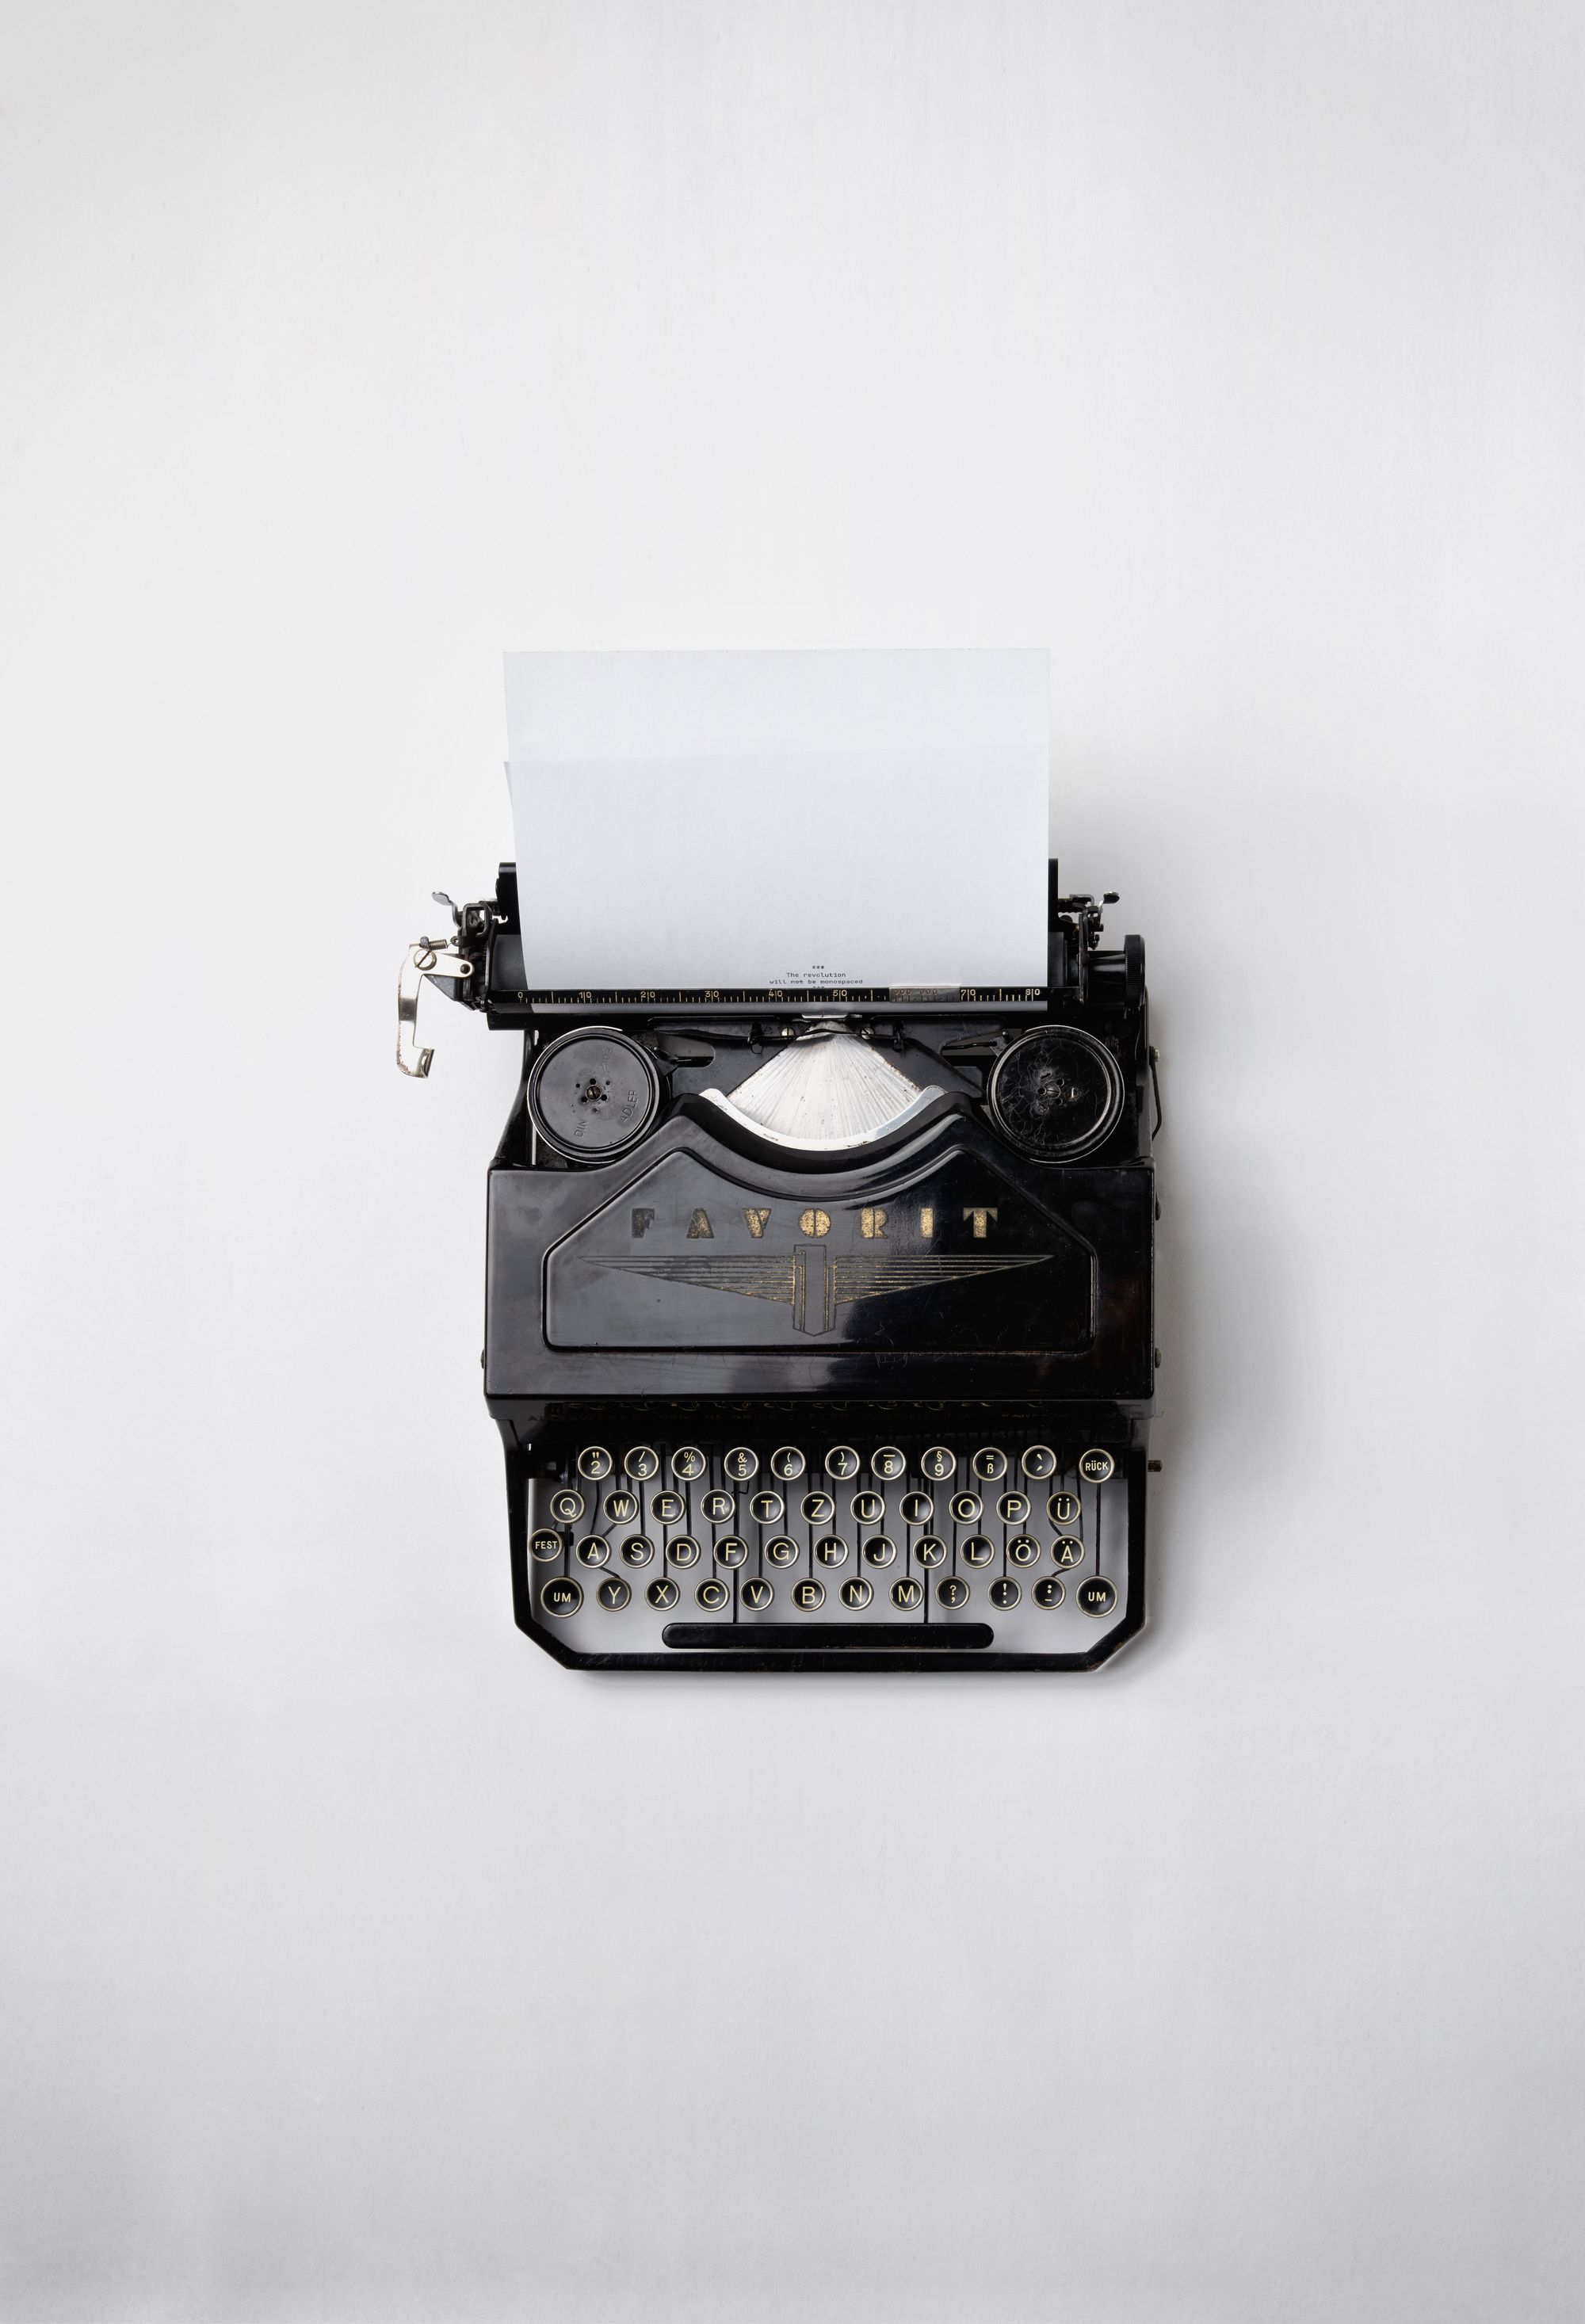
(1056,1093)
(593,1094)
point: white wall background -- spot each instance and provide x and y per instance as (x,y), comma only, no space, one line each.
(359,1963)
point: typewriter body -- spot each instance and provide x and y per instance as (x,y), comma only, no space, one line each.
(818,1326)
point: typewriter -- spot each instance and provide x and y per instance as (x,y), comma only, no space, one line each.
(818,1325)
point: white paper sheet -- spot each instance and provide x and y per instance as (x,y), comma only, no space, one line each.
(723,822)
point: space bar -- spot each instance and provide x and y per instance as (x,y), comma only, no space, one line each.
(755,1638)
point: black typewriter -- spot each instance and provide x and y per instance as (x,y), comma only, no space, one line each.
(818,1325)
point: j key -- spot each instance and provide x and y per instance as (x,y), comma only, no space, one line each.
(766,1508)
(546,1544)
(953,1591)
(930,1550)
(842,1462)
(939,1464)
(976,1550)
(918,1508)
(687,1464)
(662,1592)
(787,1462)
(906,1592)
(741,1463)
(1023,1549)
(567,1506)
(756,1593)
(562,1597)
(1095,1594)
(856,1592)
(1038,1461)
(621,1509)
(720,1507)
(595,1462)
(1095,1466)
(731,1550)
(614,1592)
(879,1552)
(1063,1508)
(713,1594)
(989,1462)
(643,1463)
(887,1463)
(1005,1592)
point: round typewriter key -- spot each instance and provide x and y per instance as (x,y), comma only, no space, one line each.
(976,1550)
(1005,1592)
(989,1463)
(856,1592)
(1095,1594)
(719,1507)
(842,1462)
(939,1464)
(879,1552)
(819,1509)
(1048,1590)
(565,1506)
(782,1551)
(546,1544)
(731,1550)
(741,1463)
(832,1551)
(641,1463)
(683,1551)
(621,1509)
(887,1464)
(636,1550)
(595,1462)
(1023,1550)
(756,1593)
(766,1508)
(593,1551)
(562,1596)
(1056,1093)
(930,1550)
(687,1464)
(614,1592)
(593,1094)
(1063,1508)
(952,1589)
(807,1595)
(667,1508)
(966,1508)
(906,1592)
(918,1508)
(1039,1462)
(1095,1466)
(713,1594)
(662,1591)
(868,1509)
(1069,1551)
(1013,1508)
(787,1462)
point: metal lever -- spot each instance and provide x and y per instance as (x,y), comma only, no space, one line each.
(430,956)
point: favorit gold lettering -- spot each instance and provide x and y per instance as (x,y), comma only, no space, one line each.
(699,1227)
(873,1224)
(815,1223)
(979,1218)
(755,1223)
(927,1220)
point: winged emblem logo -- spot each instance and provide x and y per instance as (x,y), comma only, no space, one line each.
(814,1282)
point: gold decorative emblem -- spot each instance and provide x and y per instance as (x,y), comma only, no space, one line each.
(814,1282)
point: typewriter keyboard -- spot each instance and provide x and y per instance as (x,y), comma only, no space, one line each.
(647,1546)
